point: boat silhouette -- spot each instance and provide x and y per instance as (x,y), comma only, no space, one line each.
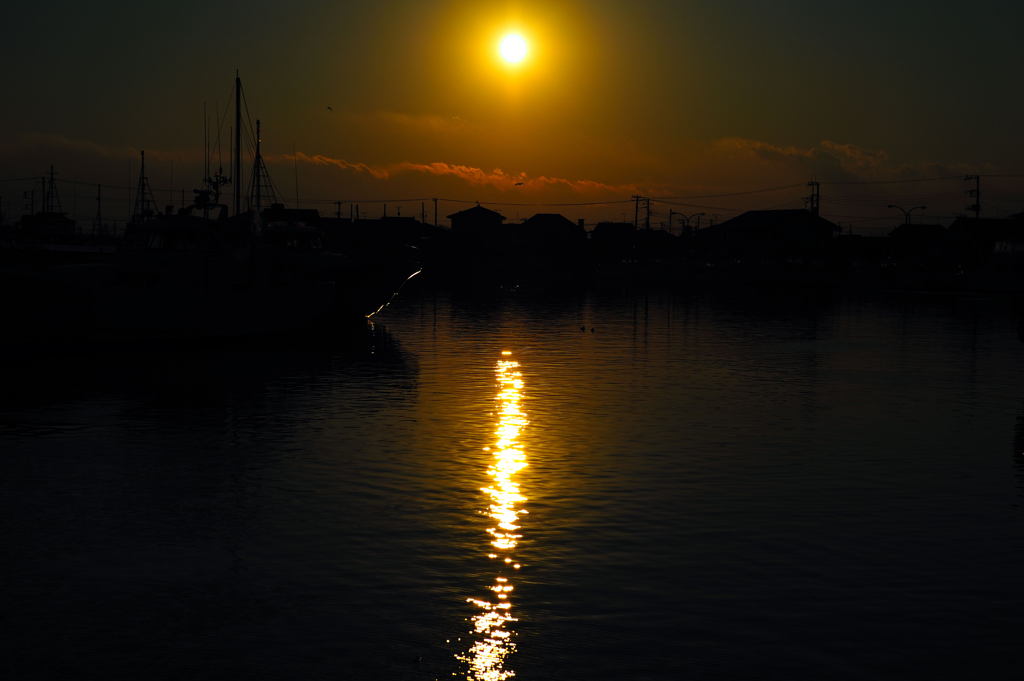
(203,273)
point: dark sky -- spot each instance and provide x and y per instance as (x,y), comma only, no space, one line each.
(670,98)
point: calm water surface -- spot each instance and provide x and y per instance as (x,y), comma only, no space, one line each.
(583,487)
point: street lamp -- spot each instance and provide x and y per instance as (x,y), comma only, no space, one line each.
(686,219)
(906,211)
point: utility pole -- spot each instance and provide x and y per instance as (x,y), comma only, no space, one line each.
(976,194)
(337,209)
(435,212)
(814,200)
(636,211)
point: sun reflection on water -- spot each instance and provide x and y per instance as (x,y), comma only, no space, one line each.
(487,657)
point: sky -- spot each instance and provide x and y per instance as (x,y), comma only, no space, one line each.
(694,103)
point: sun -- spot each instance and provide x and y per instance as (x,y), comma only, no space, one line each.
(513,48)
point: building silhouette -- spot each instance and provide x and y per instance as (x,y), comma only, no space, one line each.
(772,246)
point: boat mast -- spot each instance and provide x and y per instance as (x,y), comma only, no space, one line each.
(257,180)
(98,225)
(206,145)
(260,187)
(52,200)
(238,144)
(145,204)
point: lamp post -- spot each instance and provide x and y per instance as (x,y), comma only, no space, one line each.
(906,211)
(686,219)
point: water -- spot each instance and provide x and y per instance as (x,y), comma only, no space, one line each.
(638,486)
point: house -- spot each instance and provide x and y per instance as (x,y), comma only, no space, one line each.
(794,236)
(786,247)
(551,232)
(476,222)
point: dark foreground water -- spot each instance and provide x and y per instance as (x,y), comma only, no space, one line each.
(592,487)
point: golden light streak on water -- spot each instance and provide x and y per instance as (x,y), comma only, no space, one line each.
(487,658)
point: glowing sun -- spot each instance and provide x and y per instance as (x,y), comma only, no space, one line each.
(513,48)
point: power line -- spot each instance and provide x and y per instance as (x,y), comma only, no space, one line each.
(665,199)
(903,181)
(23,179)
(692,205)
(681,201)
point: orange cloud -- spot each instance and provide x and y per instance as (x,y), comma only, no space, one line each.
(322,160)
(765,150)
(851,156)
(843,160)
(497,178)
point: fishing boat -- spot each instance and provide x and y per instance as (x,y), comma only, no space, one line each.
(206,272)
